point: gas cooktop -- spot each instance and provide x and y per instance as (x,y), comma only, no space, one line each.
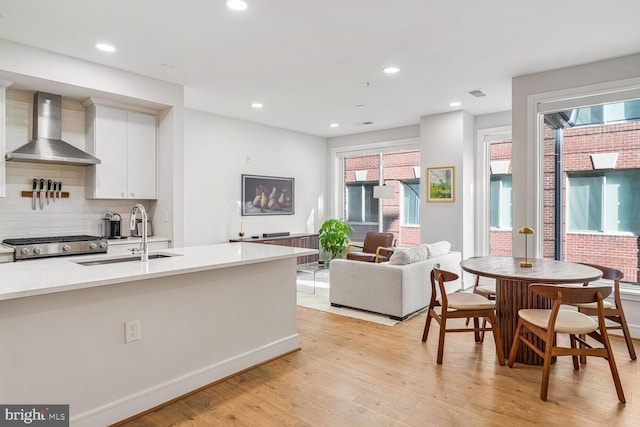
(44,247)
(53,239)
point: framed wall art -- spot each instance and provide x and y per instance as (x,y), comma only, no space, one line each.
(267,195)
(441,184)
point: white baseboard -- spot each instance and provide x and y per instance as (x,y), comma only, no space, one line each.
(634,329)
(143,400)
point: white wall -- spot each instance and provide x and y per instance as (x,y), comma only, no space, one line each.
(447,140)
(393,134)
(493,120)
(218,150)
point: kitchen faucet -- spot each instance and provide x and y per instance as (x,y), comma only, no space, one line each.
(132,225)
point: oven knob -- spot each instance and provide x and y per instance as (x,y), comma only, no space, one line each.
(92,245)
(37,251)
(66,248)
(103,245)
(24,251)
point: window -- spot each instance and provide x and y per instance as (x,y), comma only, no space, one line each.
(363,170)
(588,184)
(608,113)
(604,202)
(361,206)
(411,203)
(500,201)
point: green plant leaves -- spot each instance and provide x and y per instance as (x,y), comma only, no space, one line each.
(334,236)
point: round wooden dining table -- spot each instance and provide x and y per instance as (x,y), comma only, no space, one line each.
(512,293)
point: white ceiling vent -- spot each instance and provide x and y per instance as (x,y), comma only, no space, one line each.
(477,93)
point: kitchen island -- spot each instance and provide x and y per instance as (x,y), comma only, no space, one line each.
(204,313)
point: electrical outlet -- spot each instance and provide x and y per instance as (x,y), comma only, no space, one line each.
(165,216)
(131,331)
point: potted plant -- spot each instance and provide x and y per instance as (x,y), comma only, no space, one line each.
(334,236)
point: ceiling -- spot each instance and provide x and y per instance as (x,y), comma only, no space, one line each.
(316,62)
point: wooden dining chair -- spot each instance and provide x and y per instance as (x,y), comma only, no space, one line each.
(459,305)
(546,323)
(612,311)
(488,292)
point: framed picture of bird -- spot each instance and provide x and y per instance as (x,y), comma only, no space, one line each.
(267,195)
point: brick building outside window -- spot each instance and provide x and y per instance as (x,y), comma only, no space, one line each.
(400,214)
(598,188)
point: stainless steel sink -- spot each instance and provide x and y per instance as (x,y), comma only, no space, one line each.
(123,259)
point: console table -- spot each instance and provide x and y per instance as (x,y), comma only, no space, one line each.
(300,240)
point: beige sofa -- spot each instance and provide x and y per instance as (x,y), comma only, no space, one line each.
(398,288)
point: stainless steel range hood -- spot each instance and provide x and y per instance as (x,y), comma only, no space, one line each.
(47,145)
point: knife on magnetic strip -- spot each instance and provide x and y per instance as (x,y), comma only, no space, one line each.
(33,197)
(48,191)
(41,193)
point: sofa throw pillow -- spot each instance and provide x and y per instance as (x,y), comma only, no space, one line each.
(409,255)
(442,247)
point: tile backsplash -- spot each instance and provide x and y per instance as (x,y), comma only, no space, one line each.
(75,215)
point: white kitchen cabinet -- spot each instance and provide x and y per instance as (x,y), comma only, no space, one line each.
(125,143)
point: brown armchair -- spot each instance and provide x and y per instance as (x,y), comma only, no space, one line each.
(377,247)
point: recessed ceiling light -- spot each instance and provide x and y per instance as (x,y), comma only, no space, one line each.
(257,105)
(455,104)
(105,47)
(360,106)
(391,70)
(236,4)
(334,125)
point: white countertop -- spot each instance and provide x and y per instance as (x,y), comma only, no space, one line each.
(50,275)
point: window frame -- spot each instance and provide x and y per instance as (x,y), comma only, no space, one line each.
(403,208)
(500,179)
(363,192)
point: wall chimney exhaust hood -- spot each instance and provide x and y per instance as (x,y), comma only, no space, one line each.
(47,145)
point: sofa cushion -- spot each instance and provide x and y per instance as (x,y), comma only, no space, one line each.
(409,255)
(436,249)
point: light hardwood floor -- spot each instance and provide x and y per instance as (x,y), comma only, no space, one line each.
(355,373)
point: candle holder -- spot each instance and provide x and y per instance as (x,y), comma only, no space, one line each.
(526,231)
